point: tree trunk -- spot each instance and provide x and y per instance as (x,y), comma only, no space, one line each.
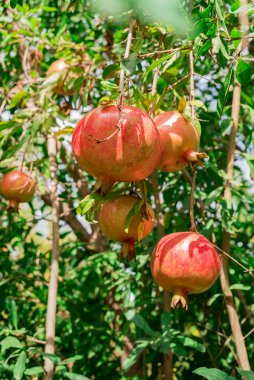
(53,282)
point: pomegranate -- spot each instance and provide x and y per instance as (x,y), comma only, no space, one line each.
(112,220)
(57,66)
(116,144)
(184,263)
(17,187)
(179,141)
(60,66)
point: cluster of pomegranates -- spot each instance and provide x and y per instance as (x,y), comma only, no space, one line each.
(119,143)
(122,143)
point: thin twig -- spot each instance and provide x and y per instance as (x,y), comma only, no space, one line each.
(126,55)
(164,51)
(192,198)
(233,259)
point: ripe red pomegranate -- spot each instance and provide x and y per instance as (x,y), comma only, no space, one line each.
(17,187)
(184,263)
(116,144)
(112,220)
(179,141)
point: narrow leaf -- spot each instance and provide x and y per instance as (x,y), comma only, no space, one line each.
(223,93)
(111,71)
(34,371)
(20,366)
(212,374)
(243,72)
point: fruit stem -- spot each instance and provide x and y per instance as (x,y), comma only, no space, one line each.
(128,250)
(103,185)
(180,298)
(13,205)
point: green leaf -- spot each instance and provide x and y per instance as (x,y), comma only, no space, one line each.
(243,72)
(72,359)
(198,127)
(109,86)
(189,342)
(134,211)
(10,342)
(20,366)
(78,83)
(212,374)
(6,163)
(34,371)
(240,287)
(198,103)
(155,64)
(8,125)
(223,93)
(213,299)
(134,355)
(130,64)
(13,3)
(14,315)
(75,376)
(17,98)
(142,324)
(111,71)
(247,375)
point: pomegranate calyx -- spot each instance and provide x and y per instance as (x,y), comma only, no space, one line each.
(13,206)
(195,156)
(180,299)
(128,250)
(103,185)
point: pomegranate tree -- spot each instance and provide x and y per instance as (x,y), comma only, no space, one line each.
(113,217)
(17,187)
(184,263)
(179,140)
(116,144)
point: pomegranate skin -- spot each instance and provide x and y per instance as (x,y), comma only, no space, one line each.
(112,219)
(130,154)
(17,187)
(184,263)
(179,141)
(57,66)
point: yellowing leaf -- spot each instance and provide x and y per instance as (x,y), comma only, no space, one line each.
(64,131)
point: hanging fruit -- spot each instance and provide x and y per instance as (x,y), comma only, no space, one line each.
(116,144)
(17,187)
(113,218)
(184,263)
(179,141)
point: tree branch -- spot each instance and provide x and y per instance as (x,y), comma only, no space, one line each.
(224,278)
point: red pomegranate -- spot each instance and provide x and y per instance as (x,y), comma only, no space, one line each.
(17,187)
(116,144)
(112,220)
(179,141)
(184,263)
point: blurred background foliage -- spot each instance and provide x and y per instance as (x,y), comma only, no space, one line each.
(110,318)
